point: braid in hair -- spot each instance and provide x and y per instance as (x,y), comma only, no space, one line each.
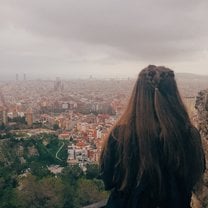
(155,75)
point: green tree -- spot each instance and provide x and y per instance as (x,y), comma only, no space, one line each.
(55,127)
(89,192)
(7,187)
(92,171)
(72,174)
(44,193)
(39,169)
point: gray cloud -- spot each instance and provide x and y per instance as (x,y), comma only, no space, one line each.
(50,35)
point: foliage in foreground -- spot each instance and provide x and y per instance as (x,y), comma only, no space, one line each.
(26,182)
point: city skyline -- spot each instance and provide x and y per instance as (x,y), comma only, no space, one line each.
(102,38)
(22,77)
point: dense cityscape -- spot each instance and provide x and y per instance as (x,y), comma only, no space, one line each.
(79,111)
(67,71)
(55,129)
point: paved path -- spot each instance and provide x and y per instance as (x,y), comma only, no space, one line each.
(59,151)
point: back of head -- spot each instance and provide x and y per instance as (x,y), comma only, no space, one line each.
(154,125)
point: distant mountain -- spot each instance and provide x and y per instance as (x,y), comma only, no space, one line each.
(191,76)
(190,84)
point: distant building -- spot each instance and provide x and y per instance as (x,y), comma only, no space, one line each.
(58,85)
(55,169)
(65,105)
(72,105)
(24,77)
(3,115)
(3,110)
(17,77)
(67,124)
(64,135)
(71,152)
(29,117)
(82,127)
(18,107)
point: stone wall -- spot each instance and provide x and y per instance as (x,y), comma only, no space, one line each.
(202,124)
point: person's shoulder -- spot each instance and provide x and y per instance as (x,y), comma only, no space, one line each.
(194,133)
(194,130)
(195,137)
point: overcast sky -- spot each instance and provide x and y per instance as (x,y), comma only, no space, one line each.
(73,38)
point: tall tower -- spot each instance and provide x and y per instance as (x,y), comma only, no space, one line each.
(29,117)
(3,110)
(3,116)
(57,84)
(24,77)
(17,77)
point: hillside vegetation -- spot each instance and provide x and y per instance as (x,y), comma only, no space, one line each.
(25,180)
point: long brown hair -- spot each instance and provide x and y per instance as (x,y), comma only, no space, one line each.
(156,116)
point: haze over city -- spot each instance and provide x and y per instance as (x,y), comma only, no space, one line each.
(67,72)
(110,38)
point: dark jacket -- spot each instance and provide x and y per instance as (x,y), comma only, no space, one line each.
(137,196)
